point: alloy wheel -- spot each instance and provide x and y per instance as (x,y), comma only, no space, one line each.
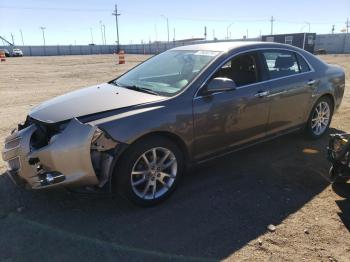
(153,173)
(320,118)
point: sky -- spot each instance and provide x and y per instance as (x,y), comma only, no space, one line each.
(72,22)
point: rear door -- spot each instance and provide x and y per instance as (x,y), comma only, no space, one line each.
(290,88)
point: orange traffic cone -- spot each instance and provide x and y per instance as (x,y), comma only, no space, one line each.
(2,56)
(121,57)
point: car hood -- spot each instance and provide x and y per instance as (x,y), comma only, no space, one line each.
(90,100)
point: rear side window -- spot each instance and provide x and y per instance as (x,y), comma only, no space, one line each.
(281,63)
(304,67)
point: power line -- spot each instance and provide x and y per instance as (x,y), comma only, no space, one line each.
(54,9)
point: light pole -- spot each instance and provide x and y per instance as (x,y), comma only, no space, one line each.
(227,28)
(104,34)
(308,23)
(101,27)
(13,40)
(43,30)
(305,24)
(92,36)
(156,32)
(20,30)
(167,25)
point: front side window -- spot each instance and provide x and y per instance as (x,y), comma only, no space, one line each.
(167,73)
(281,63)
(242,70)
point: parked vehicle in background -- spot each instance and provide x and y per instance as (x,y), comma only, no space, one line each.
(7,53)
(17,52)
(139,132)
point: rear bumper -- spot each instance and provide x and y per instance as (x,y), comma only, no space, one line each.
(65,161)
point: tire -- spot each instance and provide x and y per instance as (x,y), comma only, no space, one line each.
(337,176)
(147,184)
(322,125)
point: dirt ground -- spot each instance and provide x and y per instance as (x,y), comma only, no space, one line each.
(221,210)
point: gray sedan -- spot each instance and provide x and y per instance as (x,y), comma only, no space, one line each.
(137,134)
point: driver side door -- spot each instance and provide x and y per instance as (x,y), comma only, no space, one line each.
(227,119)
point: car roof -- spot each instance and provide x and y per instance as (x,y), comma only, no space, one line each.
(227,46)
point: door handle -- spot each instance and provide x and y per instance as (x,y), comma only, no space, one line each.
(262,94)
(311,82)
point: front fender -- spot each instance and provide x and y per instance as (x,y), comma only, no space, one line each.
(129,126)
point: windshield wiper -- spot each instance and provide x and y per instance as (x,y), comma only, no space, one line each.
(139,88)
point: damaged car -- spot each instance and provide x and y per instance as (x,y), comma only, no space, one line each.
(137,134)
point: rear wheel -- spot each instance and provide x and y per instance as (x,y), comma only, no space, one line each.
(149,171)
(320,118)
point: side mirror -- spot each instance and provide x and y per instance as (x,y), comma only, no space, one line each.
(220,84)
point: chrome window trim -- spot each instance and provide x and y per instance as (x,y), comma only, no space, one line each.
(196,96)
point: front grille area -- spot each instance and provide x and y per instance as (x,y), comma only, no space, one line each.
(13,143)
(14,164)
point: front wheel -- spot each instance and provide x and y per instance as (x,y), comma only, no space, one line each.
(149,171)
(320,118)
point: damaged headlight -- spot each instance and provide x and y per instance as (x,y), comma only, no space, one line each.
(101,141)
(102,155)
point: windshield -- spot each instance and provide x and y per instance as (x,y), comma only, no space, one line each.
(167,73)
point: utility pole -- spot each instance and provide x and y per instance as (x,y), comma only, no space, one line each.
(347,23)
(333,28)
(174,35)
(247,33)
(20,30)
(205,32)
(116,14)
(271,21)
(13,41)
(43,30)
(92,36)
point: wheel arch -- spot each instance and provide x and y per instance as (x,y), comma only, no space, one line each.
(166,134)
(330,96)
(324,95)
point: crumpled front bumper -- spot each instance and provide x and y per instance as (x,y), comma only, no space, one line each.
(66,156)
